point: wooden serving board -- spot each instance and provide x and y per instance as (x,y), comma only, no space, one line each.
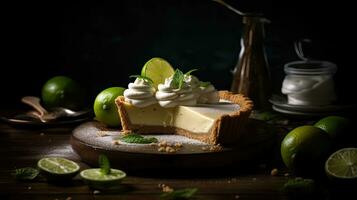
(88,142)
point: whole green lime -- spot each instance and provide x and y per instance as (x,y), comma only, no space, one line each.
(105,109)
(333,125)
(304,149)
(62,91)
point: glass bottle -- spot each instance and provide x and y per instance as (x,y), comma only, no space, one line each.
(251,75)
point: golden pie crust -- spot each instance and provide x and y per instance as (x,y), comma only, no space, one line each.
(227,129)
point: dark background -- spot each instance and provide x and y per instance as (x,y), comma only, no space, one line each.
(100,45)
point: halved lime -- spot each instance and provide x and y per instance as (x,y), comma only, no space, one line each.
(157,69)
(342,164)
(97,179)
(58,168)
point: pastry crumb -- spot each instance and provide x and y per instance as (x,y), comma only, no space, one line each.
(161,149)
(96,192)
(286,174)
(213,148)
(116,142)
(69,198)
(178,144)
(102,133)
(162,143)
(164,146)
(165,188)
(205,148)
(236,196)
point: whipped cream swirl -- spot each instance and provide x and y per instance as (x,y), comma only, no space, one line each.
(169,96)
(140,93)
(193,82)
(208,94)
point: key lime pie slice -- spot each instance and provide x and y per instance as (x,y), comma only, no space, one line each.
(185,106)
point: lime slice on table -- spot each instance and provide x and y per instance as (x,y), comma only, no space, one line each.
(97,179)
(342,164)
(157,69)
(58,168)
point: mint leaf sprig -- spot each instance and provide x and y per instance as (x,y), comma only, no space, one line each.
(179,77)
(142,77)
(138,139)
(179,194)
(189,72)
(104,164)
(27,173)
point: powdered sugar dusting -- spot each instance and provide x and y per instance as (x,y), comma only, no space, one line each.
(90,134)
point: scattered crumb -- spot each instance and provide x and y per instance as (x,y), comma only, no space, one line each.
(102,133)
(29,187)
(69,198)
(236,196)
(161,149)
(96,192)
(165,188)
(216,147)
(254,179)
(162,143)
(170,149)
(286,174)
(205,148)
(42,134)
(178,144)
(212,148)
(274,172)
(229,181)
(116,142)
(49,140)
(164,146)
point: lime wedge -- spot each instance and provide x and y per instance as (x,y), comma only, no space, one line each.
(96,179)
(56,167)
(342,164)
(157,69)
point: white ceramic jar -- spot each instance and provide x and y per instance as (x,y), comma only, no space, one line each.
(309,82)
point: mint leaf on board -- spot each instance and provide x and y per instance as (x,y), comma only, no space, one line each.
(189,72)
(104,164)
(205,84)
(179,194)
(27,173)
(142,77)
(138,139)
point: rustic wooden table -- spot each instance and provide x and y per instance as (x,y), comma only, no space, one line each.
(24,147)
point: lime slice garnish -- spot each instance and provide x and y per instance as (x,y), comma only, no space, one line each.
(95,178)
(157,69)
(57,165)
(342,164)
(97,175)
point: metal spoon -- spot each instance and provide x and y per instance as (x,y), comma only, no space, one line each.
(45,115)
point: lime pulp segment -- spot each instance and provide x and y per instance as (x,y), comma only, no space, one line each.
(342,163)
(97,175)
(58,165)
